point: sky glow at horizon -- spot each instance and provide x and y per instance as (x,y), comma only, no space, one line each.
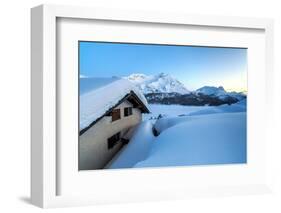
(193,66)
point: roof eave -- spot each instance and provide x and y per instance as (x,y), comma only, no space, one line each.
(131,93)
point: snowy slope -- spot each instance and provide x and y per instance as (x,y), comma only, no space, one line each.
(189,114)
(161,83)
(171,110)
(223,141)
(97,95)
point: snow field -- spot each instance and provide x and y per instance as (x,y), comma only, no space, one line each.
(199,140)
(204,135)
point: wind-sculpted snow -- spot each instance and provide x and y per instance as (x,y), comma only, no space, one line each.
(174,110)
(171,110)
(97,95)
(200,140)
(194,138)
(167,122)
(171,120)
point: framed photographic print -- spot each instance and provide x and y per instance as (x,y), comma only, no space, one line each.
(152,119)
(147,105)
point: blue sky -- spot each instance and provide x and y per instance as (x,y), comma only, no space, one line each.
(193,66)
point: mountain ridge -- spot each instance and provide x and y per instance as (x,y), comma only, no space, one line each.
(165,89)
(160,83)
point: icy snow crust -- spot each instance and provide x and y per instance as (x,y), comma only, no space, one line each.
(98,95)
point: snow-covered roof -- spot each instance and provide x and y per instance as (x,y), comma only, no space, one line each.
(100,95)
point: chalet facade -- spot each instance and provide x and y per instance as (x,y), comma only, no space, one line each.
(101,140)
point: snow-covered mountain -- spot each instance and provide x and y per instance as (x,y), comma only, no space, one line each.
(160,83)
(209,90)
(165,89)
(219,92)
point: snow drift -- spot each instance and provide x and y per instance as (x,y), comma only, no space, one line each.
(137,150)
(204,139)
(189,113)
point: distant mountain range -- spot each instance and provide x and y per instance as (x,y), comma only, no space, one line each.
(161,83)
(165,89)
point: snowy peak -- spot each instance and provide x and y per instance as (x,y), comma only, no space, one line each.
(219,92)
(210,90)
(137,77)
(160,83)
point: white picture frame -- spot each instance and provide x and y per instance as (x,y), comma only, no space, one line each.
(45,168)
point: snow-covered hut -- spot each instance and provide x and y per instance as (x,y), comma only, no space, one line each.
(109,109)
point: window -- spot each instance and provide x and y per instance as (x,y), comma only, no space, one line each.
(111,142)
(128,111)
(115,114)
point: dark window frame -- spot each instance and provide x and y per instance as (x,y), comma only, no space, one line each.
(113,140)
(128,111)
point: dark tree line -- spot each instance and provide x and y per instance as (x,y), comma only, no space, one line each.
(191,99)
